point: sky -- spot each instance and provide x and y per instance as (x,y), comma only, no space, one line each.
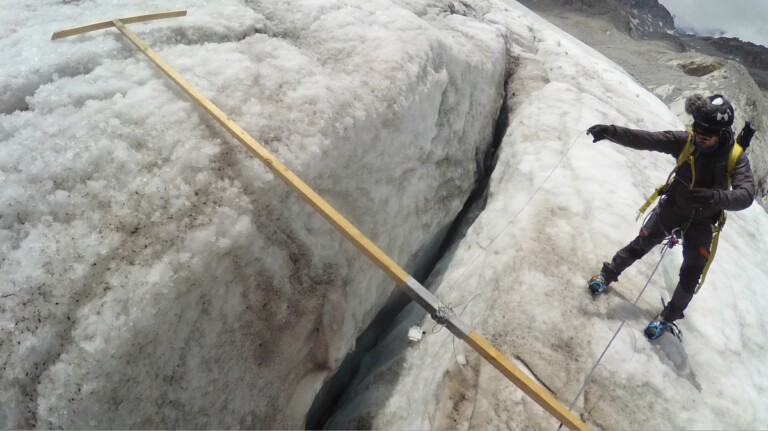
(154,275)
(744,19)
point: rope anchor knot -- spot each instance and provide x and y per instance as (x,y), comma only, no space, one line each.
(672,240)
(443,314)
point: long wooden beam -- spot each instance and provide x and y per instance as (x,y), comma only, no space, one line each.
(413,288)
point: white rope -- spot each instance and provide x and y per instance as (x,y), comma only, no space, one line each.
(671,241)
(484,249)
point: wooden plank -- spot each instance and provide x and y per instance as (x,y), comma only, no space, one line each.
(106,24)
(537,393)
(381,259)
(414,289)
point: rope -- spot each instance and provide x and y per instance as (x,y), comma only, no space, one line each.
(483,251)
(463,361)
(671,241)
(443,314)
(441,317)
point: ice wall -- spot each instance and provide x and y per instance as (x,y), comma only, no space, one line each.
(152,273)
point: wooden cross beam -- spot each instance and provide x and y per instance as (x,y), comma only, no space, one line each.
(107,24)
(413,288)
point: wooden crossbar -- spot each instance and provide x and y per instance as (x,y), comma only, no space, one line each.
(413,288)
(106,24)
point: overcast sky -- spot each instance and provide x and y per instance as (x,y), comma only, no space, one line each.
(744,19)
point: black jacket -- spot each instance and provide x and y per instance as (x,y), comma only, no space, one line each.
(711,172)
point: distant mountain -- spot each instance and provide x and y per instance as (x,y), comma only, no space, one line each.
(642,19)
(648,19)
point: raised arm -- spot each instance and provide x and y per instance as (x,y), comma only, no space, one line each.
(668,142)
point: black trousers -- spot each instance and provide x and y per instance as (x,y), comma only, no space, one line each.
(697,240)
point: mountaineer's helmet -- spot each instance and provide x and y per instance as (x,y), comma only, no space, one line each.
(711,115)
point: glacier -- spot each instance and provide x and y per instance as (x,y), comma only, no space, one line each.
(154,275)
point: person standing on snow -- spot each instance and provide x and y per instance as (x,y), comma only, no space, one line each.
(693,203)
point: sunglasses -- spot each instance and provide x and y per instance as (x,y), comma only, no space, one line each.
(704,132)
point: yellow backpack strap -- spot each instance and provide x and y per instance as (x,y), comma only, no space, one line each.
(651,199)
(736,152)
(685,156)
(715,237)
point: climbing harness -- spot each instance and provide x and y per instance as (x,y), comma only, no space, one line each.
(687,156)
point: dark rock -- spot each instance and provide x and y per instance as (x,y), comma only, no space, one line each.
(646,18)
(700,67)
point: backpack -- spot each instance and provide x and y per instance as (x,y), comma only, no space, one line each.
(686,156)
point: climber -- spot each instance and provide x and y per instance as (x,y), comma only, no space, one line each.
(693,201)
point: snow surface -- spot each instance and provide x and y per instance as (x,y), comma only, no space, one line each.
(154,275)
(558,206)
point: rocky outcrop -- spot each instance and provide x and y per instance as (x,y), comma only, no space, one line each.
(698,67)
(753,57)
(746,53)
(646,18)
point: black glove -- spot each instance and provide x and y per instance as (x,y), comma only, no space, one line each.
(705,198)
(600,132)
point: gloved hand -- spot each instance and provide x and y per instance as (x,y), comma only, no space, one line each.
(600,132)
(705,198)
